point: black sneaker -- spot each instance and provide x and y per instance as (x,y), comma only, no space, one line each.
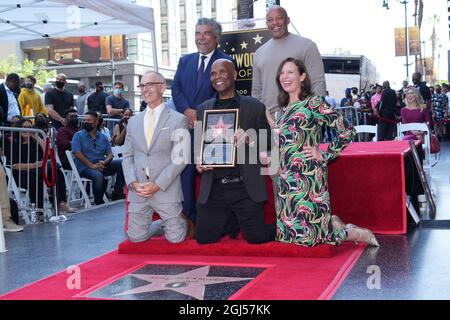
(117,196)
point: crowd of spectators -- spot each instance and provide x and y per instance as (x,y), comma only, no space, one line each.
(79,127)
(426,104)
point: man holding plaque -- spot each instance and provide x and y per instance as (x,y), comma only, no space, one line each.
(231,184)
(156,152)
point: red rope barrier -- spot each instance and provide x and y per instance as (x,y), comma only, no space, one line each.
(49,153)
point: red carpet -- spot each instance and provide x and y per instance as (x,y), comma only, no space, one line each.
(226,247)
(284,278)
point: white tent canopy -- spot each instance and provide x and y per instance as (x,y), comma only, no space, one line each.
(36,19)
(32,19)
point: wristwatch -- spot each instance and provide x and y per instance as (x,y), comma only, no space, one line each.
(130,186)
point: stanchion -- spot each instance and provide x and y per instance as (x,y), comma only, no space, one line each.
(2,235)
(50,153)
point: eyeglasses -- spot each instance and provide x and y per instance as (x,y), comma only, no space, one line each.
(93,143)
(148,85)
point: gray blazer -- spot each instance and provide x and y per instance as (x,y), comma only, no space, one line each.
(166,145)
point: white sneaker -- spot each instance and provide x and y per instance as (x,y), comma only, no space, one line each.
(10,226)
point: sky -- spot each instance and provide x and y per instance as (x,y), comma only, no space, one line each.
(365,27)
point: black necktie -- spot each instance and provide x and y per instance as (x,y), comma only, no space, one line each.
(201,71)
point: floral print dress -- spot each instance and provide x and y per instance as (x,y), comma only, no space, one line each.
(303,202)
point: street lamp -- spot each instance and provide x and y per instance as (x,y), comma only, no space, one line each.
(404,2)
(424,60)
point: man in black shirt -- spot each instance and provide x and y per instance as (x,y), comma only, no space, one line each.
(423,88)
(239,190)
(96,101)
(387,121)
(58,101)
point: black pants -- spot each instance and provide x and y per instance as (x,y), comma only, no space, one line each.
(225,200)
(385,130)
(36,192)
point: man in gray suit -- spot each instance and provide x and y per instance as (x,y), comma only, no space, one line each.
(156,152)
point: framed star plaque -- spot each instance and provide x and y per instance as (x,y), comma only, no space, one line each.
(217,145)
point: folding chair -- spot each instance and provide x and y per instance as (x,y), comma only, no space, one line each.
(80,182)
(417,126)
(364,128)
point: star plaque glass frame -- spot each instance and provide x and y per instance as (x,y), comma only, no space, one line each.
(217,145)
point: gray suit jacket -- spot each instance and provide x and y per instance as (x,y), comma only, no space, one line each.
(162,157)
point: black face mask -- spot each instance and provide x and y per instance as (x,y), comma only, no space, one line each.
(99,88)
(416,81)
(72,123)
(28,86)
(88,127)
(59,84)
(40,123)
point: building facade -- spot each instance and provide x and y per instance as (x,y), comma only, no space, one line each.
(175,36)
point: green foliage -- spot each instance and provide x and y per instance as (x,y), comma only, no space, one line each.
(26,68)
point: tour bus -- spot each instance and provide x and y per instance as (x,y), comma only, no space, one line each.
(347,71)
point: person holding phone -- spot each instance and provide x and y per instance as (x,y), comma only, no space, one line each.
(120,129)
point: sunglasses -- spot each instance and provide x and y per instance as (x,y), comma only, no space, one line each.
(93,143)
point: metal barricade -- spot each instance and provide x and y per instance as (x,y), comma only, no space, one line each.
(22,151)
(351,114)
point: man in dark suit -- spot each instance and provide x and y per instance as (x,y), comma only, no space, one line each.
(239,190)
(191,86)
(9,106)
(387,120)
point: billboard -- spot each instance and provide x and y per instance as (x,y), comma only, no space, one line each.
(241,45)
(414,40)
(87,49)
(400,45)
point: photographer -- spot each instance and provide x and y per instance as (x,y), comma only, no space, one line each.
(120,129)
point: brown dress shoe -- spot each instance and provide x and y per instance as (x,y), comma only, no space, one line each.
(191,227)
(63,207)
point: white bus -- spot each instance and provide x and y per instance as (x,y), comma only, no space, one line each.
(347,71)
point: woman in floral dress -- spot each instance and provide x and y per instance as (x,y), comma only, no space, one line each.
(303,202)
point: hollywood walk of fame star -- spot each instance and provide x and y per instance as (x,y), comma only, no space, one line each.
(191,283)
(258,39)
(220,129)
(244,45)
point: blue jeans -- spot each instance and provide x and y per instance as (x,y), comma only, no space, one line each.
(98,179)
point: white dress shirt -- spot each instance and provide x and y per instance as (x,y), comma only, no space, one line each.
(13,106)
(157,113)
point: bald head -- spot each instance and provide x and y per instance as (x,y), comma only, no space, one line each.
(280,9)
(223,77)
(227,63)
(152,88)
(156,75)
(277,22)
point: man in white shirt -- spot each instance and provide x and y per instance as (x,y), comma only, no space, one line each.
(8,102)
